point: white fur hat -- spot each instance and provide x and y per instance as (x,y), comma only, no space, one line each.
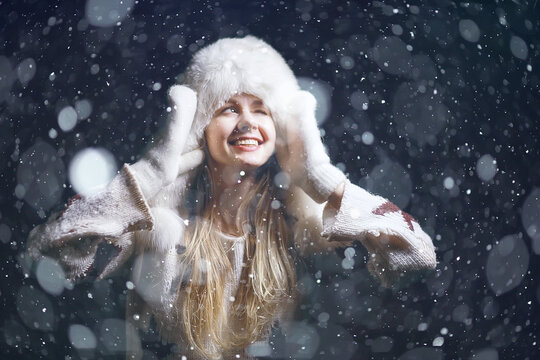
(233,66)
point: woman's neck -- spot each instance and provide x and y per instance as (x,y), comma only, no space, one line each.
(231,186)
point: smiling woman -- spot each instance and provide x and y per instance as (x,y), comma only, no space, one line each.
(242,133)
(214,212)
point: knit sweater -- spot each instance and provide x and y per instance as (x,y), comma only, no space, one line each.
(152,234)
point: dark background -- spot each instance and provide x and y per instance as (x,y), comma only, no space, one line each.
(425,97)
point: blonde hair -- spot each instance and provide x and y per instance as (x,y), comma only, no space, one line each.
(266,282)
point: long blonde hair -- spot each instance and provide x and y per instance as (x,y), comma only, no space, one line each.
(266,283)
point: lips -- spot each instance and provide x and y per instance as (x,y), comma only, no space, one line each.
(246,143)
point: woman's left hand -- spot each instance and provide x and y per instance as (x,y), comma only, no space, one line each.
(165,160)
(301,153)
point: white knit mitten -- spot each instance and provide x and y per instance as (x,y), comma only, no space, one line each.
(164,162)
(301,152)
(395,240)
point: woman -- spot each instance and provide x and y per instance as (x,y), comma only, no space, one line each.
(208,214)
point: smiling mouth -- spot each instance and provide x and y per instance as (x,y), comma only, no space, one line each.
(244,142)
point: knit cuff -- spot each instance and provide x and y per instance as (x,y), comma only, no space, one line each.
(119,209)
(139,201)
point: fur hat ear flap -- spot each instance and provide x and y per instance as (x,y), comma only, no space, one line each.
(233,66)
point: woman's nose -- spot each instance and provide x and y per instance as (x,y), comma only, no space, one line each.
(246,122)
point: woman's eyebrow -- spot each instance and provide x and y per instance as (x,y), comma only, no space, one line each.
(227,104)
(230,102)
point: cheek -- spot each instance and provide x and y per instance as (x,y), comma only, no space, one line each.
(272,143)
(214,139)
(271,135)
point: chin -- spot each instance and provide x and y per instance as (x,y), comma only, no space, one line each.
(250,165)
(252,160)
(240,160)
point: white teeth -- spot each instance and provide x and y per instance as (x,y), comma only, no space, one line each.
(246,142)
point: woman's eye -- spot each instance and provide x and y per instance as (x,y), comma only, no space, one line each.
(263,112)
(229,109)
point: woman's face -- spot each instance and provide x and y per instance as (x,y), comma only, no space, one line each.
(241,133)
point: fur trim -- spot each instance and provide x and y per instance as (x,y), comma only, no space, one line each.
(167,233)
(233,66)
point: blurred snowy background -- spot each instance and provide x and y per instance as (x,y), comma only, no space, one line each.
(433,104)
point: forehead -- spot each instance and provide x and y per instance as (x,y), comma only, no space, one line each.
(245,99)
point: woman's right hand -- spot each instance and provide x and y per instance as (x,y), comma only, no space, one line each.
(165,161)
(301,153)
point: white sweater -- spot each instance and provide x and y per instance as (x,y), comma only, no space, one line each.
(153,235)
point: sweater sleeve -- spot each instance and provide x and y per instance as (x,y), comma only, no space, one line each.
(72,236)
(395,241)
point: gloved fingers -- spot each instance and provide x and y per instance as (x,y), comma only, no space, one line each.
(159,166)
(305,158)
(301,103)
(281,131)
(292,144)
(301,129)
(300,111)
(289,153)
(184,103)
(190,161)
(307,127)
(174,191)
(300,123)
